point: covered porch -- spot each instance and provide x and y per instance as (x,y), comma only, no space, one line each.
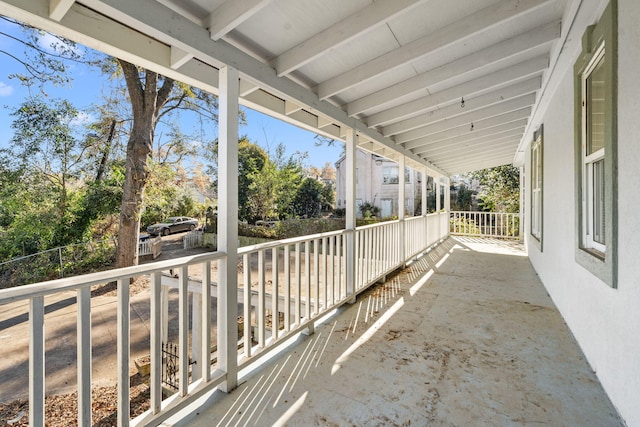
(460,337)
(464,335)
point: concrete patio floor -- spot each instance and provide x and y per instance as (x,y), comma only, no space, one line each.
(466,335)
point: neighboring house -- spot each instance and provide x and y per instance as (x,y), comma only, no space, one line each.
(377,181)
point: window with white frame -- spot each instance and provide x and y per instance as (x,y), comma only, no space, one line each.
(536,186)
(596,199)
(593,152)
(390,175)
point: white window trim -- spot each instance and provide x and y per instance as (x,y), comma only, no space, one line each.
(536,186)
(588,161)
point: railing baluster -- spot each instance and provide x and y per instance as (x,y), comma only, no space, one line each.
(307,280)
(156,341)
(36,361)
(325,273)
(123,351)
(205,341)
(316,276)
(287,288)
(261,315)
(298,285)
(183,330)
(341,279)
(246,265)
(275,312)
(332,267)
(84,356)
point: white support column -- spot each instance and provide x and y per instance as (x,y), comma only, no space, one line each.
(401,207)
(350,194)
(447,195)
(228,226)
(424,191)
(437,182)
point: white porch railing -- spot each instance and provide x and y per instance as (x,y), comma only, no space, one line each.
(485,224)
(284,287)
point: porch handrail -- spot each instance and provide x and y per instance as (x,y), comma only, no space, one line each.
(41,289)
(311,269)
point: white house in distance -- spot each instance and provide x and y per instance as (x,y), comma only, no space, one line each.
(441,86)
(377,183)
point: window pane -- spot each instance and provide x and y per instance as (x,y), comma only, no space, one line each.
(595,108)
(598,202)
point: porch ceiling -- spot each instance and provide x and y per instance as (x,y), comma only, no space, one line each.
(396,70)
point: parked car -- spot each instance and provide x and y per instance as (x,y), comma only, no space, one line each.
(173,224)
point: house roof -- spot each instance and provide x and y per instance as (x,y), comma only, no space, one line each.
(451,84)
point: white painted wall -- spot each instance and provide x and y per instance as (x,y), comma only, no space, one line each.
(604,321)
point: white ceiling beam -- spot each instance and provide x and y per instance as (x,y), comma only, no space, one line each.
(179,57)
(440,40)
(59,8)
(323,122)
(101,33)
(247,88)
(161,24)
(484,124)
(498,52)
(470,104)
(456,147)
(230,14)
(477,151)
(525,69)
(355,25)
(454,135)
(499,157)
(291,107)
(468,118)
(474,165)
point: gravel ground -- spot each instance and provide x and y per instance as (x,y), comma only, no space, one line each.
(62,410)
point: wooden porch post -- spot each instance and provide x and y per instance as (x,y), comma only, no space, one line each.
(228,226)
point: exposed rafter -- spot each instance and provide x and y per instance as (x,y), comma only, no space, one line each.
(467,27)
(461,145)
(59,8)
(406,101)
(498,147)
(498,52)
(231,14)
(468,118)
(341,33)
(465,105)
(179,57)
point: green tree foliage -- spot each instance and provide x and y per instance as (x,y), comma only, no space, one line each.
(500,188)
(308,200)
(251,161)
(463,199)
(50,159)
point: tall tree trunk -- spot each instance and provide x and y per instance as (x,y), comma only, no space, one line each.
(146,103)
(136,176)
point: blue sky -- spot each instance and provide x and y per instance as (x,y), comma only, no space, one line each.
(90,84)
